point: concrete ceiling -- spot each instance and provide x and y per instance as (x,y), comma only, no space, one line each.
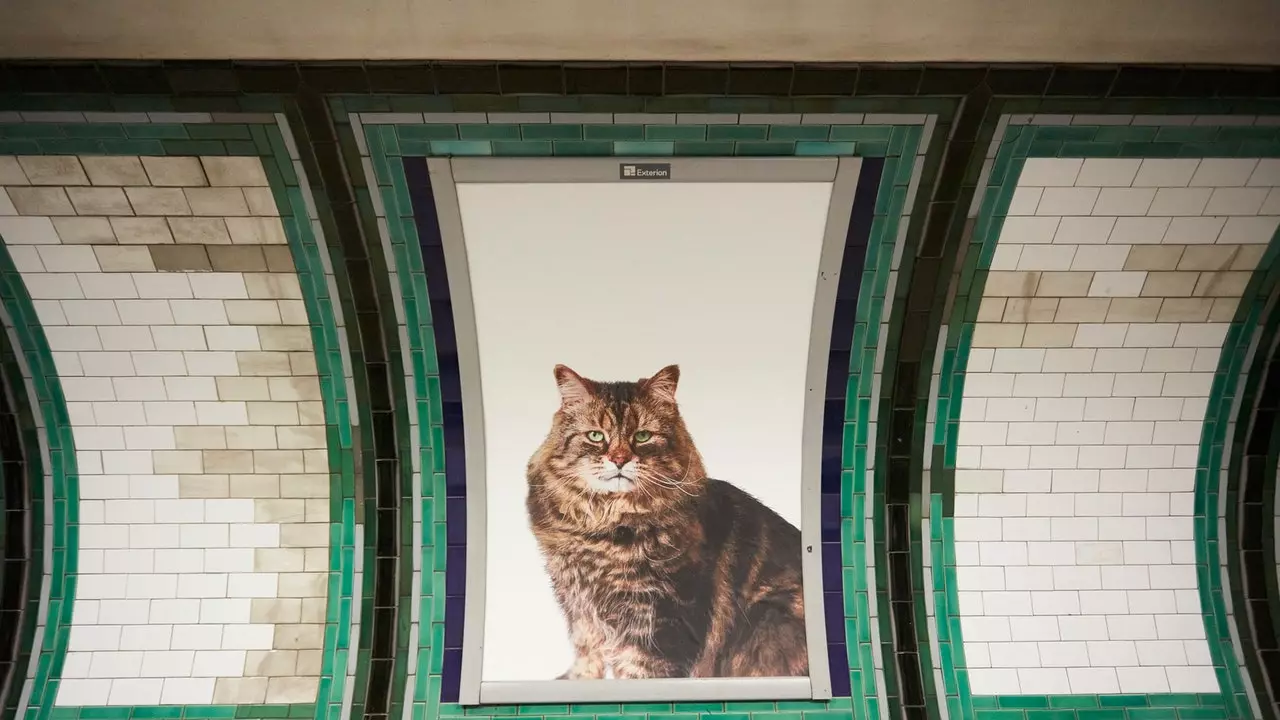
(1129,31)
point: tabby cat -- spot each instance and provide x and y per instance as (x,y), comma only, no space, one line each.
(661,572)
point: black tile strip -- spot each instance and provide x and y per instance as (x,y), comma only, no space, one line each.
(364,287)
(19,575)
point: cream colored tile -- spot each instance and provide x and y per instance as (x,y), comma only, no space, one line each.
(174,171)
(40,201)
(317,461)
(1247,257)
(252,438)
(228,461)
(1030,310)
(991,309)
(309,662)
(311,413)
(1064,284)
(1221,284)
(1185,310)
(84,231)
(178,462)
(317,558)
(273,413)
(257,485)
(200,438)
(318,510)
(114,170)
(998,335)
(1170,284)
(301,437)
(285,338)
(157,201)
(99,201)
(1049,335)
(11,172)
(141,231)
(1078,310)
(216,202)
(1011,284)
(1117,284)
(270,663)
(259,364)
(124,258)
(1208,257)
(1224,309)
(234,171)
(278,461)
(302,535)
(292,689)
(261,201)
(303,363)
(299,637)
(279,560)
(268,610)
(199,231)
(240,691)
(273,286)
(291,388)
(53,170)
(1154,257)
(313,610)
(243,388)
(202,486)
(300,585)
(253,312)
(256,231)
(1133,310)
(293,312)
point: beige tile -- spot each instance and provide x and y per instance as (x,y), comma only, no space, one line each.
(257,485)
(260,364)
(124,258)
(1221,284)
(302,585)
(200,438)
(174,171)
(216,202)
(1030,310)
(318,510)
(261,201)
(287,338)
(252,312)
(279,560)
(317,461)
(237,258)
(242,388)
(317,558)
(292,689)
(291,388)
(293,312)
(99,201)
(158,201)
(228,461)
(180,258)
(256,231)
(1249,255)
(40,201)
(1064,284)
(1169,284)
(313,610)
(1082,310)
(1153,257)
(251,438)
(997,335)
(303,363)
(114,170)
(270,663)
(11,172)
(202,486)
(199,231)
(84,231)
(234,171)
(299,637)
(1185,310)
(1011,284)
(1049,335)
(280,259)
(273,413)
(311,413)
(53,170)
(991,309)
(310,662)
(178,462)
(240,691)
(309,485)
(1134,310)
(300,535)
(301,437)
(273,286)
(278,462)
(1208,257)
(269,610)
(1224,309)
(141,231)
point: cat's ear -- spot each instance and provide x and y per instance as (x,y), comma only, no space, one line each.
(663,383)
(573,387)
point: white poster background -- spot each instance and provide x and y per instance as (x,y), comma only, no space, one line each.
(618,280)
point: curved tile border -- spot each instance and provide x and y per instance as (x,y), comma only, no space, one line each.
(1017,138)
(381,139)
(266,136)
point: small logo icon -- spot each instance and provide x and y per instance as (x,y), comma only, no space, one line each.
(644,171)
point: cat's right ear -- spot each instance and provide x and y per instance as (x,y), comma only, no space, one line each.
(573,387)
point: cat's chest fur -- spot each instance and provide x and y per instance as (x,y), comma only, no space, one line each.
(627,567)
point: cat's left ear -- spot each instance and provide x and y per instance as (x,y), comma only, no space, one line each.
(663,383)
(573,387)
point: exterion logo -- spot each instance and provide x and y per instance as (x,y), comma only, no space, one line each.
(644,171)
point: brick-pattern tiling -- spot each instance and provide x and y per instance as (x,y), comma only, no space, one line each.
(176,322)
(1109,295)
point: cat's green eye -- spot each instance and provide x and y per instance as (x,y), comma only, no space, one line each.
(643,436)
(595,436)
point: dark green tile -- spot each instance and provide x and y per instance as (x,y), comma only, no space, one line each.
(737,132)
(675,132)
(551,132)
(429,131)
(489,132)
(613,132)
(704,149)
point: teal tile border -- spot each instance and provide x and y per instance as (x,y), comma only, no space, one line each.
(1058,137)
(238,134)
(384,202)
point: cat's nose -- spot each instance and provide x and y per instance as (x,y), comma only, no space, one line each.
(619,460)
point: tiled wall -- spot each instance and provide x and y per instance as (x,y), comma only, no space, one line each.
(174,314)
